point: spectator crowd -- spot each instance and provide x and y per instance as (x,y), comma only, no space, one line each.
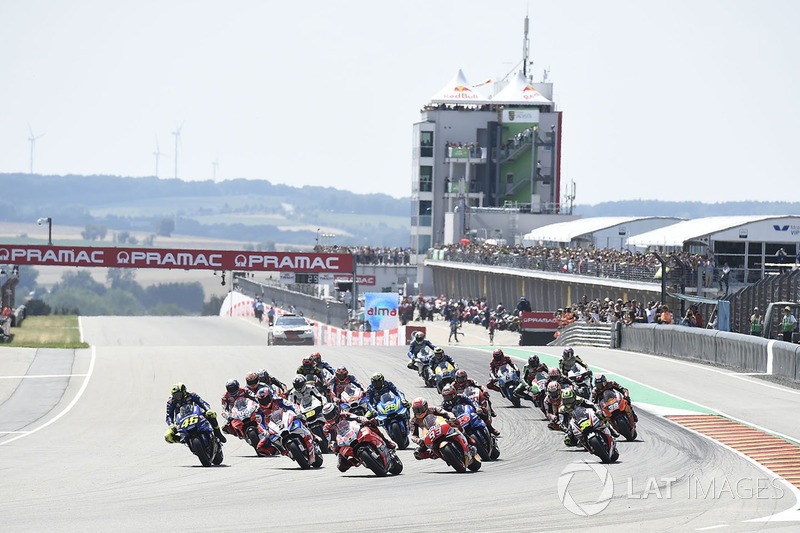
(370,255)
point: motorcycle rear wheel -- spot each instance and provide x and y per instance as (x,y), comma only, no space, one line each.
(599,448)
(252,437)
(624,428)
(481,444)
(196,445)
(323,439)
(298,454)
(397,435)
(495,453)
(217,459)
(453,457)
(366,457)
(396,466)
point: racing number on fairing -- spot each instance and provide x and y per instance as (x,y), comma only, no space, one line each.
(190,421)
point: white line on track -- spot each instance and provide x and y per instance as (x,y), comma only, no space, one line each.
(35,376)
(66,409)
(711,527)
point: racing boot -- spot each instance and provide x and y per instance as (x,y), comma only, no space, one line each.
(613,431)
(494,431)
(212,419)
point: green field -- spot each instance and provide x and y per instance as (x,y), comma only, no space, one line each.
(54,331)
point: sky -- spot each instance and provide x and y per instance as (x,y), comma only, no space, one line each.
(681,100)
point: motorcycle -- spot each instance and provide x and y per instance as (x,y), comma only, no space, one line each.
(593,434)
(320,384)
(363,445)
(507,382)
(244,419)
(442,440)
(316,422)
(291,437)
(393,416)
(352,400)
(444,373)
(195,431)
(475,429)
(581,376)
(618,411)
(423,367)
(538,393)
(479,397)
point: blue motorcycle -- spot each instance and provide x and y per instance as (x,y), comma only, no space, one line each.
(475,429)
(393,416)
(195,431)
(507,382)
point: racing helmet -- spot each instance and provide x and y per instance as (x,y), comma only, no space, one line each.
(568,354)
(498,355)
(461,376)
(420,407)
(264,396)
(533,361)
(252,380)
(554,373)
(377,381)
(419,336)
(307,362)
(232,386)
(178,392)
(554,390)
(263,376)
(330,411)
(299,383)
(438,354)
(316,358)
(568,398)
(449,393)
(342,373)
(600,381)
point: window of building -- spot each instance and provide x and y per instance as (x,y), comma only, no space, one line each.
(425,179)
(424,244)
(426,144)
(425,212)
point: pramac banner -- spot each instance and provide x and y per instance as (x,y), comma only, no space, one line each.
(380,310)
(83,256)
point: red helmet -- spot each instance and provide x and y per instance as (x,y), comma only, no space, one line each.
(498,354)
(316,358)
(264,396)
(420,407)
(461,376)
(449,393)
(554,373)
(342,373)
(252,380)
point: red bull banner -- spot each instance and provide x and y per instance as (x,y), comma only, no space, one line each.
(537,320)
(85,256)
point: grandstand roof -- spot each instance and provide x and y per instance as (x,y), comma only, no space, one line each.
(567,231)
(696,229)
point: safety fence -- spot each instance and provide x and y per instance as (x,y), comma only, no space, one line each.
(773,288)
(330,336)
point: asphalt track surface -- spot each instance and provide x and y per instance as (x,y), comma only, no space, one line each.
(82,449)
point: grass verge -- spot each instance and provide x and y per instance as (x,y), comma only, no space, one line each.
(53,331)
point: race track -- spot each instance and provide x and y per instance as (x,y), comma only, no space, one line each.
(83,449)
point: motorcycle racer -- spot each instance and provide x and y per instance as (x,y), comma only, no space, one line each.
(569,401)
(271,407)
(463,381)
(418,343)
(498,360)
(180,396)
(602,384)
(378,386)
(340,380)
(528,375)
(270,381)
(568,360)
(439,356)
(425,418)
(233,393)
(302,393)
(552,403)
(316,358)
(308,368)
(252,383)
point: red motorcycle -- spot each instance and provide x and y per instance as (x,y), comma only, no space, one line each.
(244,419)
(617,410)
(446,442)
(363,445)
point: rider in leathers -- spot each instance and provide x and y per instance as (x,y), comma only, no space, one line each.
(569,401)
(498,360)
(233,393)
(451,397)
(425,417)
(378,387)
(463,381)
(334,415)
(179,397)
(601,384)
(302,394)
(266,381)
(341,380)
(416,346)
(271,407)
(528,374)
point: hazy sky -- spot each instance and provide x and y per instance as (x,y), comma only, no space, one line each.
(680,100)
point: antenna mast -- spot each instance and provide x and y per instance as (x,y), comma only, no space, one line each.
(525,50)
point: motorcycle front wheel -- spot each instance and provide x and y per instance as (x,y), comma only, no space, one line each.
(453,457)
(298,454)
(367,456)
(599,448)
(196,445)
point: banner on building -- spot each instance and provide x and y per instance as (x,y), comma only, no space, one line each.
(381,310)
(523,116)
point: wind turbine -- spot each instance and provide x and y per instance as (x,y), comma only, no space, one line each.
(177,134)
(158,153)
(32,140)
(215,164)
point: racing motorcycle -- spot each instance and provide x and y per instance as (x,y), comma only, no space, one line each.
(475,429)
(507,382)
(244,419)
(582,379)
(291,437)
(444,373)
(195,431)
(316,422)
(442,440)
(593,434)
(618,411)
(479,397)
(423,367)
(352,400)
(360,444)
(393,416)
